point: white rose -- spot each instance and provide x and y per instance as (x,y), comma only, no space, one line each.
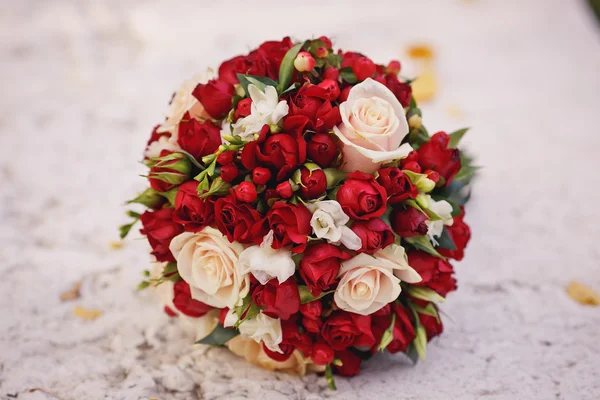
(373,126)
(266,263)
(266,109)
(208,262)
(200,327)
(182,102)
(329,222)
(367,284)
(396,255)
(261,328)
(254,353)
(444,210)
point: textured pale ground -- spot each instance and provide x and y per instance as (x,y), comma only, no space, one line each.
(82,84)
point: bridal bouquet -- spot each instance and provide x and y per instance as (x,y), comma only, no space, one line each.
(299,212)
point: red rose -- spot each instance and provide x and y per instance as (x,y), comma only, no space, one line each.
(401,90)
(312,309)
(198,138)
(435,155)
(435,272)
(322,149)
(342,330)
(312,325)
(322,354)
(166,175)
(361,197)
(332,89)
(215,96)
(292,338)
(283,152)
(290,225)
(350,363)
(278,300)
(313,184)
(320,266)
(246,192)
(363,68)
(191,211)
(312,101)
(331,73)
(433,326)
(252,64)
(284,190)
(397,185)
(374,234)
(408,222)
(159,228)
(273,52)
(234,219)
(403,331)
(460,233)
(183,301)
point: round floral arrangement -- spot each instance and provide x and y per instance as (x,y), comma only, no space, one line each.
(299,212)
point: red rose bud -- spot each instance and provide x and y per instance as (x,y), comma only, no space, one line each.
(412,166)
(170,170)
(312,184)
(159,228)
(344,94)
(312,325)
(361,197)
(393,67)
(433,326)
(198,138)
(278,300)
(433,175)
(191,211)
(435,272)
(460,233)
(331,73)
(401,90)
(326,40)
(331,88)
(363,68)
(284,190)
(243,109)
(322,52)
(320,266)
(290,225)
(229,172)
(412,156)
(397,185)
(435,155)
(409,222)
(246,192)
(226,157)
(304,62)
(374,234)
(183,301)
(322,149)
(322,354)
(215,96)
(312,309)
(261,175)
(350,363)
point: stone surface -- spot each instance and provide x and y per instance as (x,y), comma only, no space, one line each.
(83,82)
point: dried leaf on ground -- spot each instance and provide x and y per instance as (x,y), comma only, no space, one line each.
(86,313)
(583,294)
(73,293)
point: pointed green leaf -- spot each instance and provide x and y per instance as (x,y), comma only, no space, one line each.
(420,341)
(423,244)
(445,241)
(286,69)
(219,336)
(388,335)
(261,82)
(424,293)
(455,137)
(348,75)
(306,296)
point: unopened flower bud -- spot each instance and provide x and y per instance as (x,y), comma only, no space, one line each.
(393,67)
(246,192)
(169,171)
(415,121)
(274,128)
(285,190)
(425,185)
(304,62)
(321,52)
(422,200)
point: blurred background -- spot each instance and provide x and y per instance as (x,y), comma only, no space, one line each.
(83,83)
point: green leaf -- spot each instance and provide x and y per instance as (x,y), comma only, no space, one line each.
(133,214)
(455,137)
(423,244)
(420,341)
(445,241)
(143,285)
(388,335)
(306,296)
(191,158)
(292,87)
(424,293)
(125,229)
(411,353)
(170,195)
(428,310)
(149,198)
(219,336)
(329,377)
(286,69)
(261,82)
(348,75)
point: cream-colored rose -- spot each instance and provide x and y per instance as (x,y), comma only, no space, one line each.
(208,262)
(367,284)
(396,255)
(373,126)
(184,101)
(254,354)
(200,327)
(262,328)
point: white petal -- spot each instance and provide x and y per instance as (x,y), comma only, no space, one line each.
(350,239)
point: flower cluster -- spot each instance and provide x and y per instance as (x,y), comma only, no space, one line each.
(300,213)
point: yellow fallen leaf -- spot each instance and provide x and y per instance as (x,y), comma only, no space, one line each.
(583,294)
(85,313)
(73,293)
(116,245)
(421,51)
(424,87)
